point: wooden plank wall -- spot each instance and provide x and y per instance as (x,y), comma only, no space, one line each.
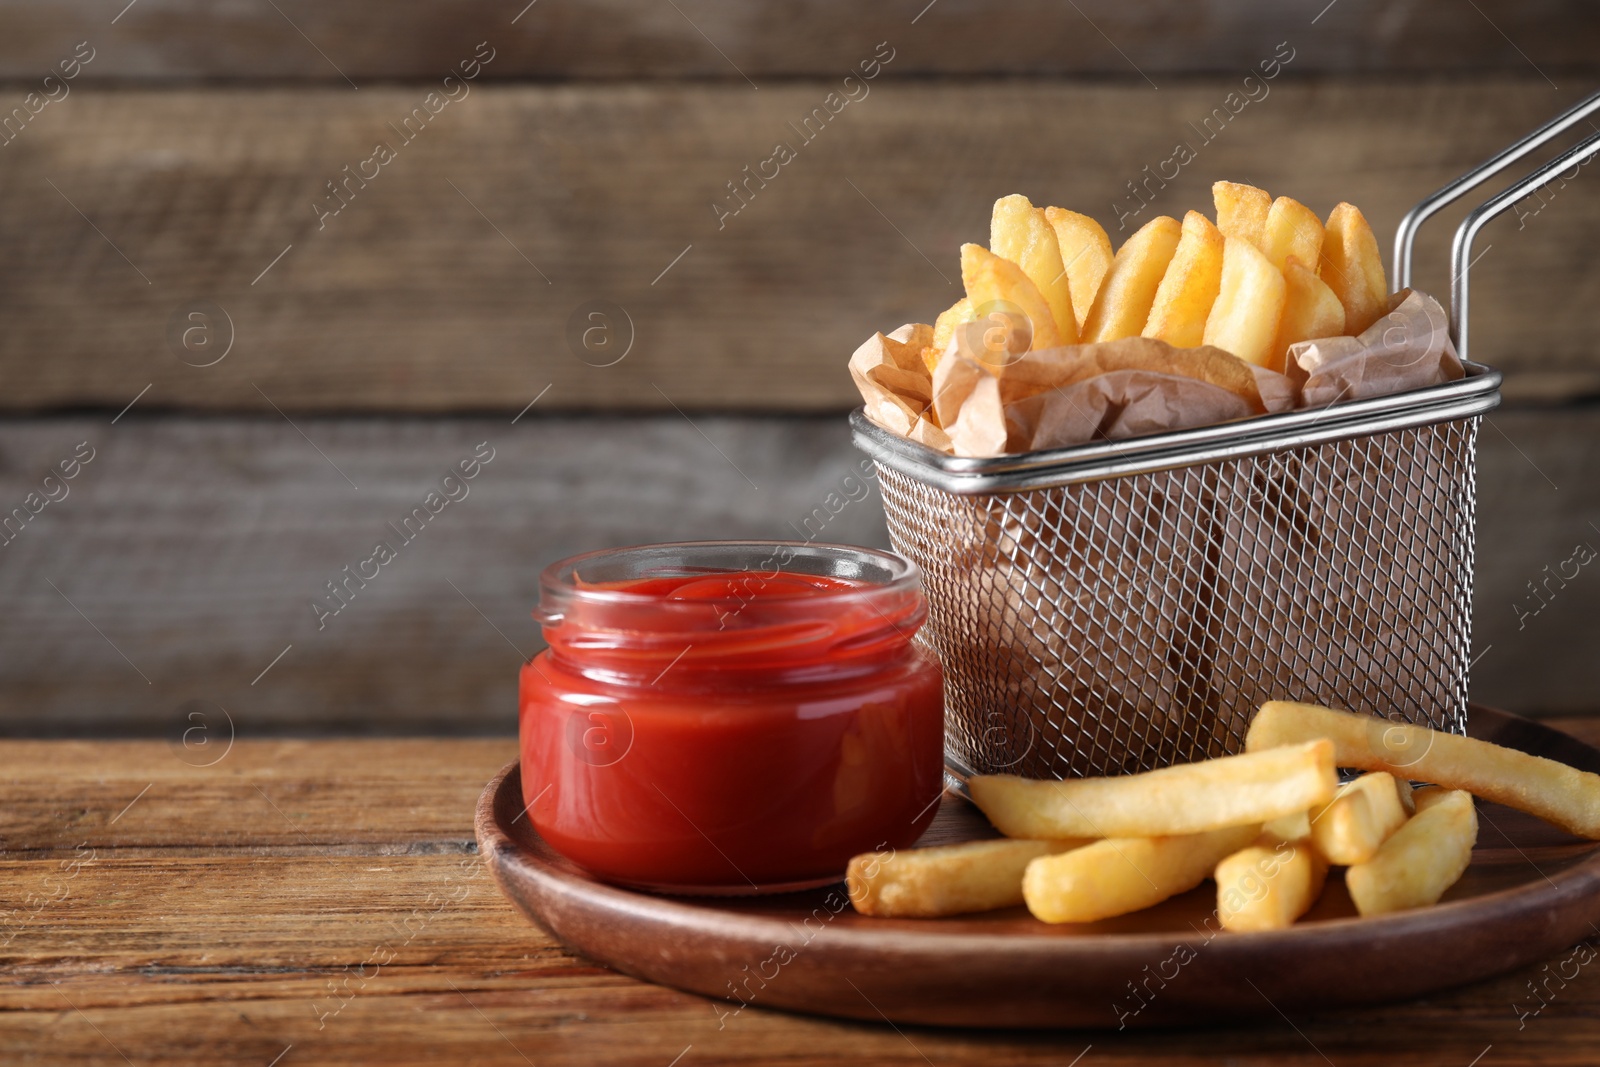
(188,553)
(184,169)
(449,282)
(632,40)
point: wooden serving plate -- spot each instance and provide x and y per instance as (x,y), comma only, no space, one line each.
(1531,891)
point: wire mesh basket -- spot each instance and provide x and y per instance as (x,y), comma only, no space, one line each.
(1120,606)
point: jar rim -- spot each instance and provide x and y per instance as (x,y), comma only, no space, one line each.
(883,571)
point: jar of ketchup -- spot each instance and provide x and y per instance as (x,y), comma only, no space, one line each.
(730,717)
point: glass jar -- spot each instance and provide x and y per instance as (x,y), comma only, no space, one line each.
(725,717)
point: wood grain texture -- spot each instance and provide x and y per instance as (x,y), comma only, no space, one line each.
(449,281)
(725,39)
(228,949)
(283,797)
(196,545)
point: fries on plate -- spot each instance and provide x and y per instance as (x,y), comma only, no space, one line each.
(1119,875)
(1559,794)
(1420,860)
(1289,827)
(927,883)
(1349,828)
(1184,799)
(1269,884)
(1429,795)
(1266,825)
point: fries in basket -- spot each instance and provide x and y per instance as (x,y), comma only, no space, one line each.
(1266,826)
(1048,296)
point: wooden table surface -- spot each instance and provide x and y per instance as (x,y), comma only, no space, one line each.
(300,902)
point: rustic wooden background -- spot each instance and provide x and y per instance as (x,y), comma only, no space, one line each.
(363,355)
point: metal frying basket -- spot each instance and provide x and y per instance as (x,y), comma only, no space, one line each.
(1120,606)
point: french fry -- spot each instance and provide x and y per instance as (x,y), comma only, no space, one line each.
(925,883)
(1269,884)
(1428,796)
(1184,799)
(1559,794)
(1353,268)
(1351,827)
(1310,310)
(1244,319)
(944,328)
(1289,827)
(1420,860)
(1018,232)
(1189,287)
(1122,306)
(1242,211)
(1119,875)
(1292,229)
(1086,254)
(997,288)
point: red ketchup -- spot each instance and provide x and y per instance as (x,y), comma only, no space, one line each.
(736,717)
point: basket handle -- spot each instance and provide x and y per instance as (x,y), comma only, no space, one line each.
(1406,233)
(1461,249)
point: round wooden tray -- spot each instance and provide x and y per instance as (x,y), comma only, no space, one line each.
(1531,890)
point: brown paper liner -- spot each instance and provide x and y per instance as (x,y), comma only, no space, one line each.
(1059,397)
(1408,348)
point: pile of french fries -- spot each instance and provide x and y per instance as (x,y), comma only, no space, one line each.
(1265,825)
(1265,275)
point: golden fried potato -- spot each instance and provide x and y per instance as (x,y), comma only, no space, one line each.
(999,290)
(1086,254)
(944,327)
(1290,827)
(1553,791)
(1292,229)
(1182,799)
(1269,884)
(1351,827)
(924,883)
(1242,211)
(1119,875)
(1353,268)
(1420,860)
(1190,285)
(1244,319)
(1122,306)
(1310,310)
(1426,797)
(1019,232)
